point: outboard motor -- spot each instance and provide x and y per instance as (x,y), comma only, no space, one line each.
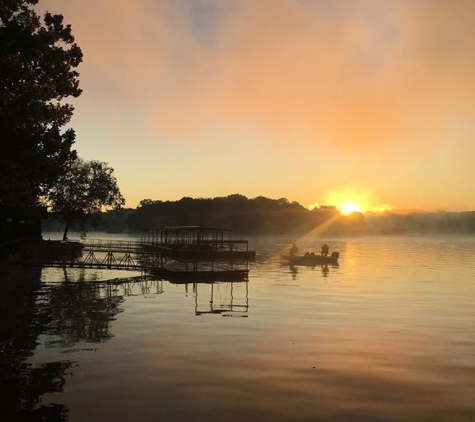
(336,255)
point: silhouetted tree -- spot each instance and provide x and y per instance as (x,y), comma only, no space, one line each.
(37,62)
(83,191)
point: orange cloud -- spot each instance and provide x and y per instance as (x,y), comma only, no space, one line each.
(354,74)
(315,78)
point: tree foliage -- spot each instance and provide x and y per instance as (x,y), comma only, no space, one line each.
(259,215)
(83,191)
(38,58)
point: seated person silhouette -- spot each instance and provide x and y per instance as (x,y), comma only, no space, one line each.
(293,250)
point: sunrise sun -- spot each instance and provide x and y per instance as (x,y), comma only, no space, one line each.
(348,208)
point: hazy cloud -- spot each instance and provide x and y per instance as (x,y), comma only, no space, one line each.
(350,73)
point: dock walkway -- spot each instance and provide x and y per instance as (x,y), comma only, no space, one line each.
(124,255)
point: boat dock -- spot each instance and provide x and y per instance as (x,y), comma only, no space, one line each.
(184,242)
(212,259)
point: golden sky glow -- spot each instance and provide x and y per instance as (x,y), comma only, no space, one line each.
(364,102)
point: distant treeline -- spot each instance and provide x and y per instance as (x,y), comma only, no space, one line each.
(262,215)
(259,215)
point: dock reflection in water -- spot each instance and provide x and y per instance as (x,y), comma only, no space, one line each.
(225,298)
(74,317)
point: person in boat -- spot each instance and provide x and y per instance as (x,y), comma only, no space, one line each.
(325,250)
(293,250)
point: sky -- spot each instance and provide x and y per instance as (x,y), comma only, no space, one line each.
(322,102)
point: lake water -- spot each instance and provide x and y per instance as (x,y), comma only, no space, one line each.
(388,335)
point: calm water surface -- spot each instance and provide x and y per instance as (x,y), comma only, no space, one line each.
(388,335)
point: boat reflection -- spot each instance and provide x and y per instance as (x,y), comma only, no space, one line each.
(325,269)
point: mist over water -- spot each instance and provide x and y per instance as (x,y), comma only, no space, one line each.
(385,336)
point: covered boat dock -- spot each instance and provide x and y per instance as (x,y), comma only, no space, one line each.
(197,241)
